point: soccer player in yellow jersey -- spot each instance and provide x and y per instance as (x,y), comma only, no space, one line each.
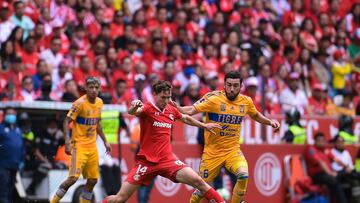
(85,116)
(227,108)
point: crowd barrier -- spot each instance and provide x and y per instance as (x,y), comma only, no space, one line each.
(266,170)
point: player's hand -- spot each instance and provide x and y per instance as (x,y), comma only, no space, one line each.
(275,124)
(136,103)
(210,127)
(67,148)
(108,147)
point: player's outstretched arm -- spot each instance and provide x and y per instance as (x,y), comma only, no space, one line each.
(189,110)
(135,108)
(192,121)
(100,132)
(259,117)
(66,123)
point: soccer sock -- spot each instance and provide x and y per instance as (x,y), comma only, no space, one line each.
(212,195)
(86,197)
(239,190)
(58,195)
(196,197)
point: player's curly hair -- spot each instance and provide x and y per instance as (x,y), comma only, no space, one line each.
(234,74)
(161,86)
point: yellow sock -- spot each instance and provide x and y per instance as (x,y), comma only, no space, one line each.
(196,197)
(239,190)
(55,199)
(82,200)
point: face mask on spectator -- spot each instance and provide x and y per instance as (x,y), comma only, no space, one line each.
(51,130)
(10,118)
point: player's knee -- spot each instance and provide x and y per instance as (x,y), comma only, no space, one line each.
(72,180)
(242,173)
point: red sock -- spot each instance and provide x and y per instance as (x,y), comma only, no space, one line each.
(213,196)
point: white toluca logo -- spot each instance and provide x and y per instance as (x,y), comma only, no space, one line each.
(267,174)
(171,117)
(162,124)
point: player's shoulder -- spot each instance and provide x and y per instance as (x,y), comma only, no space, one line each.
(80,100)
(244,99)
(213,94)
(99,101)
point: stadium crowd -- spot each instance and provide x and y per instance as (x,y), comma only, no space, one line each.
(291,53)
(294,53)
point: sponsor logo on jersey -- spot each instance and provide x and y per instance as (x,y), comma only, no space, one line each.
(162,124)
(225,118)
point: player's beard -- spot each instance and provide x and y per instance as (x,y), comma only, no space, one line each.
(231,95)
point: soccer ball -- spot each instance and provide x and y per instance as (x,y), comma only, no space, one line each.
(224,193)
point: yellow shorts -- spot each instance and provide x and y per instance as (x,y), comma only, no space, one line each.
(233,162)
(85,162)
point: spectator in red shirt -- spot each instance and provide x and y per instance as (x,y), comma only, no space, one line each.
(319,166)
(120,94)
(318,101)
(117,25)
(155,58)
(85,70)
(30,56)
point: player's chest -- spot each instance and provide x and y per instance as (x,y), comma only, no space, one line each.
(232,109)
(165,116)
(90,111)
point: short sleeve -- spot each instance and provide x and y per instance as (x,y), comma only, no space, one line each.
(205,103)
(251,107)
(74,111)
(177,114)
(145,110)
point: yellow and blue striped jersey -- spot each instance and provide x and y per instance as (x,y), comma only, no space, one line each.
(86,117)
(229,114)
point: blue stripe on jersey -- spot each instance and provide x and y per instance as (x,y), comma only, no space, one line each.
(87,121)
(225,118)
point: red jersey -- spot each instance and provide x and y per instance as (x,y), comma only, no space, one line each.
(314,156)
(155,131)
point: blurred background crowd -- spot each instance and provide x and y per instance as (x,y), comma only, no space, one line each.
(291,53)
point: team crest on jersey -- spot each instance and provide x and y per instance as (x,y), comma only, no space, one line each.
(88,113)
(232,108)
(136,177)
(171,116)
(157,113)
(242,108)
(222,107)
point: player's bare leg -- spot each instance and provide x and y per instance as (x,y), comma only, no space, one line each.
(240,186)
(88,190)
(63,188)
(126,190)
(190,177)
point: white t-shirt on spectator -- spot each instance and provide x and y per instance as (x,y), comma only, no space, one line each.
(6,29)
(344,156)
(51,59)
(289,99)
(194,79)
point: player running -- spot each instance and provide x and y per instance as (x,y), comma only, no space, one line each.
(155,156)
(228,109)
(85,114)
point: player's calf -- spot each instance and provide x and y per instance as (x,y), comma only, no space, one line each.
(240,188)
(63,189)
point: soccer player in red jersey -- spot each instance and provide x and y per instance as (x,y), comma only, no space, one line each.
(155,156)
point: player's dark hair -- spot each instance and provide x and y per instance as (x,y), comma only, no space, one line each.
(318,135)
(234,74)
(161,86)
